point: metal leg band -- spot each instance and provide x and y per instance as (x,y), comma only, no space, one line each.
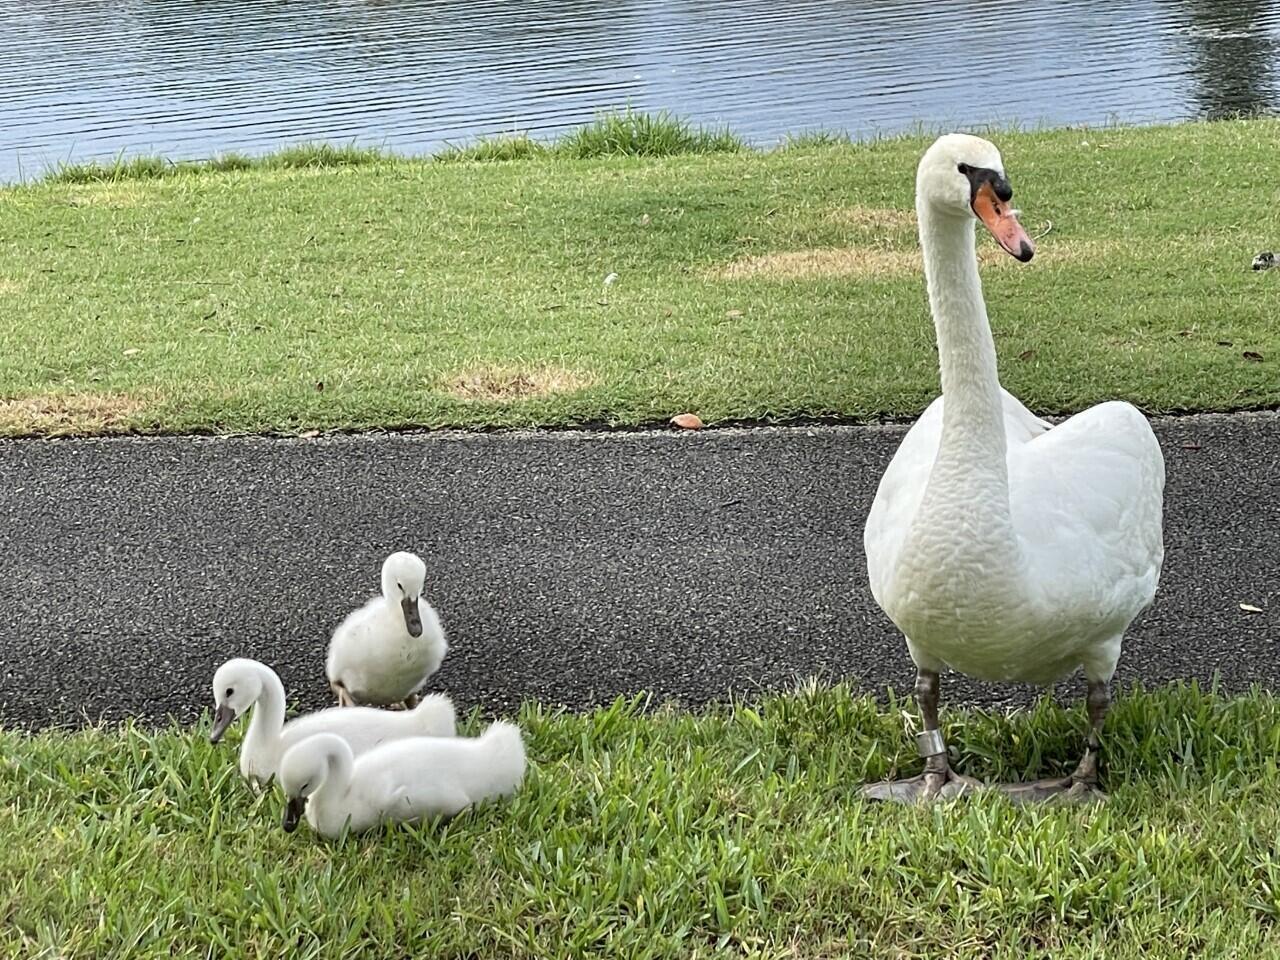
(929,743)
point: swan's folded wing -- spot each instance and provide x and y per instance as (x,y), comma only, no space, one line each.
(898,496)
(1020,424)
(1087,499)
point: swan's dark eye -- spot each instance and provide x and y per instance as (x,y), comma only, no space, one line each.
(230,691)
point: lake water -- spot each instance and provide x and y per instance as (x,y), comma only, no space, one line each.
(83,79)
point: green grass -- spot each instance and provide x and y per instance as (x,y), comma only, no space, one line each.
(645,135)
(323,292)
(516,146)
(816,139)
(612,134)
(734,832)
(307,156)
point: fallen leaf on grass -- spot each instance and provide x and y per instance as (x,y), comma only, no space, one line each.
(687,421)
(309,433)
(1250,608)
(1027,354)
(132,352)
(1253,355)
(733,314)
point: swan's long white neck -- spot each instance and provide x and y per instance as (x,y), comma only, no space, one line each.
(969,483)
(267,721)
(973,417)
(340,767)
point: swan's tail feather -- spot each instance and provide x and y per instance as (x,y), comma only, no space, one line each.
(435,716)
(504,756)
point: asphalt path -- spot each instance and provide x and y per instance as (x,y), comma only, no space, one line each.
(567,567)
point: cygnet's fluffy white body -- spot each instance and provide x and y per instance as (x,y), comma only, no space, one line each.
(240,685)
(406,780)
(384,652)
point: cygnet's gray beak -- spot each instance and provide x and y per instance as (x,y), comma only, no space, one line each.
(223,717)
(412,620)
(293,813)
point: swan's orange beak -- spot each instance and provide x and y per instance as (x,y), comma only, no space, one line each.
(1003,223)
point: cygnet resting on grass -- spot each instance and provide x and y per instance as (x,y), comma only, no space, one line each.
(240,684)
(406,780)
(384,652)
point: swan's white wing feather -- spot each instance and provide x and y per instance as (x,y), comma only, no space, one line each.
(1086,498)
(898,498)
(1020,424)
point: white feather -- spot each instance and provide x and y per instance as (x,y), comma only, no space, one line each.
(1002,546)
(242,685)
(407,780)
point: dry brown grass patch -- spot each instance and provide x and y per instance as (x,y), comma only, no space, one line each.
(868,263)
(822,262)
(52,415)
(515,383)
(885,218)
(10,287)
(115,196)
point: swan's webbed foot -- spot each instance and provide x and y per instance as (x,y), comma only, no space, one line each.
(939,781)
(1082,785)
(931,785)
(411,701)
(1062,790)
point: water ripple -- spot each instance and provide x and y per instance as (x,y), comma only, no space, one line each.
(95,78)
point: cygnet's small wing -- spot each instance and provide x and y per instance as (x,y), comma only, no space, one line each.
(363,728)
(350,641)
(432,635)
(408,780)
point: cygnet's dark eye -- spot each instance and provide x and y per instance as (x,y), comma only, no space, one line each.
(230,691)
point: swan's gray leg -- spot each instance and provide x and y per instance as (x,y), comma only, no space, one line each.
(1082,785)
(1099,702)
(938,779)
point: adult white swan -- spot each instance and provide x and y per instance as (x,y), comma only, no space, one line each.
(1002,547)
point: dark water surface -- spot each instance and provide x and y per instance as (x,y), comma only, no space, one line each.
(84,79)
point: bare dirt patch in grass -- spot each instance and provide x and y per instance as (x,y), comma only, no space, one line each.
(53,415)
(499,383)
